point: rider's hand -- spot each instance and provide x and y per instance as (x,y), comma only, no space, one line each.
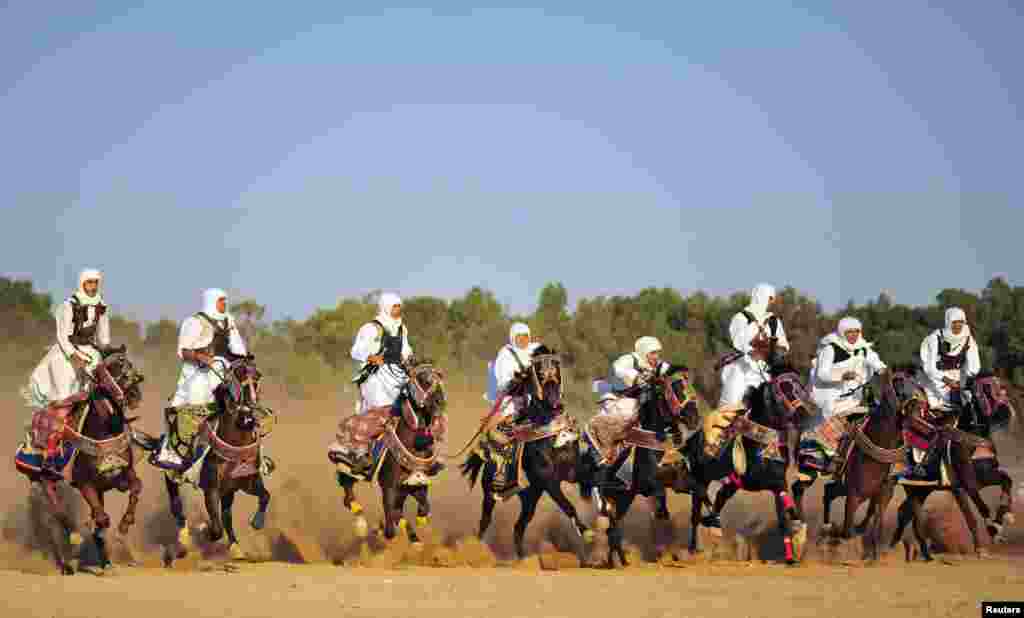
(78,362)
(850,375)
(376,359)
(951,383)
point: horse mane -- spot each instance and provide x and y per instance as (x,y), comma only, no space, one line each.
(985,373)
(907,367)
(781,368)
(543,349)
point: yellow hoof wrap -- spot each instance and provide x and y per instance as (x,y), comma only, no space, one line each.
(588,536)
(236,552)
(184,537)
(402,524)
(356,508)
(422,521)
(362,528)
(75,539)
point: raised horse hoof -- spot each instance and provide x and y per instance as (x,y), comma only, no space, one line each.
(236,552)
(74,539)
(67,569)
(361,527)
(258,520)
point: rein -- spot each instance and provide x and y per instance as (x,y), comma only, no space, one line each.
(875,452)
(243,457)
(406,458)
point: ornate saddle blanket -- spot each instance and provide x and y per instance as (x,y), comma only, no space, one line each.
(185,442)
(937,472)
(503,447)
(826,447)
(29,460)
(723,433)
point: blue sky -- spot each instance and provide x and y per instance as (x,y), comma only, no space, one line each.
(298,154)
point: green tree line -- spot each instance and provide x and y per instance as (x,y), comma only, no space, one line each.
(310,357)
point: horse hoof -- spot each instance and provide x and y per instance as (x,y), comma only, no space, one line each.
(74,539)
(67,569)
(236,552)
(362,528)
(258,520)
(355,508)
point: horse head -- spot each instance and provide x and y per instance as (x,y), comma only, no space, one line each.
(240,393)
(784,399)
(545,377)
(117,379)
(424,398)
(991,400)
(900,392)
(678,399)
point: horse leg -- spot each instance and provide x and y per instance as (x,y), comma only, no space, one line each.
(865,524)
(227,500)
(100,519)
(212,497)
(972,523)
(422,497)
(259,518)
(800,486)
(1004,513)
(528,499)
(388,499)
(347,484)
(833,490)
(134,492)
(782,510)
(401,495)
(722,497)
(917,505)
(486,512)
(58,524)
(661,523)
(853,500)
(904,514)
(615,531)
(877,508)
(554,489)
(697,499)
(184,540)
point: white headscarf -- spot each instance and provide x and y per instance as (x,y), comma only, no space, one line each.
(517,329)
(384,305)
(954,314)
(643,347)
(759,297)
(839,337)
(210,298)
(83,298)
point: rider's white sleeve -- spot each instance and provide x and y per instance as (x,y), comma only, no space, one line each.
(103,329)
(65,326)
(367,342)
(623,368)
(929,358)
(189,335)
(742,332)
(874,363)
(973,364)
(823,371)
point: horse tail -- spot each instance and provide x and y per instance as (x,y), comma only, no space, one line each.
(471,468)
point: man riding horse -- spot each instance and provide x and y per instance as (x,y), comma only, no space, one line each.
(617,413)
(83,331)
(845,362)
(949,360)
(757,338)
(381,347)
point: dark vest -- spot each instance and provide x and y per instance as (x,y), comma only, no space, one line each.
(81,334)
(949,361)
(773,321)
(839,354)
(390,345)
(221,336)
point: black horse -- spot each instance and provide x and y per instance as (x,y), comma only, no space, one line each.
(550,448)
(768,431)
(662,404)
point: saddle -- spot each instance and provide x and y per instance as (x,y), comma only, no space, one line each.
(184,444)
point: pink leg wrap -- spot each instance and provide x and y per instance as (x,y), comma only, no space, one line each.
(789,548)
(735,480)
(787,500)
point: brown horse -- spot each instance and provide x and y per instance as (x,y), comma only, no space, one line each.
(97,453)
(411,443)
(550,450)
(234,460)
(877,447)
(972,458)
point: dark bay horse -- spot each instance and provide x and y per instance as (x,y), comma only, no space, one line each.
(234,461)
(550,449)
(974,463)
(878,445)
(663,403)
(97,452)
(411,443)
(767,431)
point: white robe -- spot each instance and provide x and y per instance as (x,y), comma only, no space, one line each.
(195,383)
(383,387)
(505,368)
(746,372)
(624,375)
(827,382)
(938,392)
(55,377)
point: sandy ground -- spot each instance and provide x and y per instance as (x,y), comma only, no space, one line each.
(309,553)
